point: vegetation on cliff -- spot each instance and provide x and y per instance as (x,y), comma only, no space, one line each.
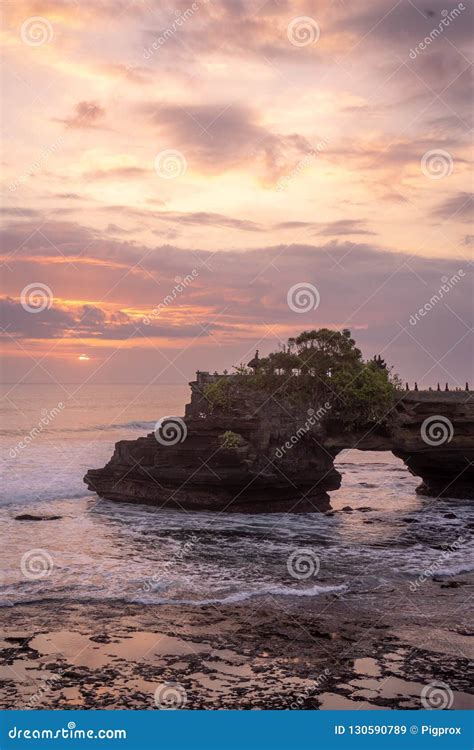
(316,366)
(230,439)
(221,395)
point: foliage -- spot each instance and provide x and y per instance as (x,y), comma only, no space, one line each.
(241,369)
(230,439)
(219,394)
(325,365)
(365,394)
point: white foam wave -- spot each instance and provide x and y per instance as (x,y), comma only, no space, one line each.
(241,596)
(131,425)
(10,598)
(455,569)
(134,425)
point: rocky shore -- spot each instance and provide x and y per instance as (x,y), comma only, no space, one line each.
(324,654)
(282,458)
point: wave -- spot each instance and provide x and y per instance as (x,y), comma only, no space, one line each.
(454,570)
(241,596)
(235,598)
(131,425)
(135,425)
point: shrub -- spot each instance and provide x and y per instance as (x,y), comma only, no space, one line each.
(219,394)
(230,439)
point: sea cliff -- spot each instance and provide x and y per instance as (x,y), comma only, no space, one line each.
(265,455)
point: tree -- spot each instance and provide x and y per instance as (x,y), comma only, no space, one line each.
(281,362)
(363,395)
(325,365)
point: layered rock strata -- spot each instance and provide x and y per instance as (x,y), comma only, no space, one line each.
(261,455)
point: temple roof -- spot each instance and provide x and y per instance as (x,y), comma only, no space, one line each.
(255,362)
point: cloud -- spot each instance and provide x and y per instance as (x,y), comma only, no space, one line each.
(345,226)
(87,114)
(233,29)
(404,23)
(338,228)
(70,196)
(19,212)
(18,322)
(115,229)
(89,322)
(459,207)
(181,218)
(75,14)
(242,295)
(219,137)
(386,152)
(133,73)
(45,234)
(205,218)
(116,173)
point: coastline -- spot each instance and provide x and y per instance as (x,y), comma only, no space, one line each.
(325,652)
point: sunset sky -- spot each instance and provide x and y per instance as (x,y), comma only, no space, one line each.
(215,154)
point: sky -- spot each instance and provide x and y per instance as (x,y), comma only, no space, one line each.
(185,182)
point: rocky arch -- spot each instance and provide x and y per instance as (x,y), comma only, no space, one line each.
(276,464)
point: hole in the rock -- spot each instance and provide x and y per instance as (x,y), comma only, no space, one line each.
(373,480)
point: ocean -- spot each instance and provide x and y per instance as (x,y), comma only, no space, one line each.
(380,536)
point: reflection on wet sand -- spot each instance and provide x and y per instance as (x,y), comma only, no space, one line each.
(227,657)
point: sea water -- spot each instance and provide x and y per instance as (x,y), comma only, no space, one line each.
(387,539)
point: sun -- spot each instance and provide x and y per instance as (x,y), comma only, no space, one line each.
(83,358)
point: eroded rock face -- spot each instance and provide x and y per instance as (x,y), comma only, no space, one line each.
(444,457)
(283,459)
(201,473)
(433,433)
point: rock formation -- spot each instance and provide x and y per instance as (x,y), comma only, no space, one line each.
(433,433)
(261,455)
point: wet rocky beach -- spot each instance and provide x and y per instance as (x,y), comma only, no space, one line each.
(266,654)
